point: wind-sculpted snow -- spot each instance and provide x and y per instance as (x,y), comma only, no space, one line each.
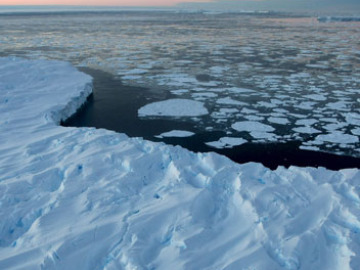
(81,198)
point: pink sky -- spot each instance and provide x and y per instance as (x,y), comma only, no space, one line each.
(99,2)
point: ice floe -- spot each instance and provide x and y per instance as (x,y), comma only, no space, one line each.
(252,126)
(176,133)
(174,108)
(226,142)
(337,137)
(278,120)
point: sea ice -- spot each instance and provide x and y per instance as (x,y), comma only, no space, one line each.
(252,126)
(306,130)
(356,131)
(226,142)
(278,120)
(176,133)
(174,108)
(337,137)
(229,101)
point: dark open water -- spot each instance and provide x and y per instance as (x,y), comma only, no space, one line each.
(114,106)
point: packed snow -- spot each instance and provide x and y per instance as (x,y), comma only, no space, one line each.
(82,198)
(174,107)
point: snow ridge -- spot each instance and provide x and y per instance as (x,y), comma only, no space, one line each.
(81,198)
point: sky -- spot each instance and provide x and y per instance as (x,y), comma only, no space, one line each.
(99,2)
(282,5)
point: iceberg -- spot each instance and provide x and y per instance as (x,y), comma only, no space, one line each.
(82,198)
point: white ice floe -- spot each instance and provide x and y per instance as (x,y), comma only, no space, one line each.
(226,142)
(229,101)
(356,131)
(308,147)
(85,198)
(353,118)
(334,126)
(176,133)
(337,137)
(278,120)
(306,130)
(252,126)
(174,108)
(306,122)
(316,97)
(263,135)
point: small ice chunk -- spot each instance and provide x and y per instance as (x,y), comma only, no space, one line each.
(204,94)
(278,120)
(228,110)
(179,92)
(337,137)
(353,118)
(252,126)
(239,90)
(173,107)
(229,101)
(306,129)
(131,77)
(176,133)
(356,131)
(316,97)
(226,142)
(306,122)
(307,147)
(254,118)
(263,135)
(334,126)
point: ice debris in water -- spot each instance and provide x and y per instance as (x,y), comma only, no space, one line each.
(226,142)
(174,107)
(176,133)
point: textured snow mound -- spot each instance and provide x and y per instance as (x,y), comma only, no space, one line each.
(80,198)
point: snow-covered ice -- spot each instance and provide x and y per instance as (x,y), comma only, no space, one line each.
(252,126)
(226,142)
(176,133)
(306,130)
(278,120)
(174,107)
(337,137)
(82,198)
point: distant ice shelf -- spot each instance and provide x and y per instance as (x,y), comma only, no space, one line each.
(82,198)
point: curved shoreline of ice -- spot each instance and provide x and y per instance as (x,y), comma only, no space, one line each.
(81,198)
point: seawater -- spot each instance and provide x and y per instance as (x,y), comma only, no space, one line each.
(114,106)
(293,73)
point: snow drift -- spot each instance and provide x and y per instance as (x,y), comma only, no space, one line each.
(81,198)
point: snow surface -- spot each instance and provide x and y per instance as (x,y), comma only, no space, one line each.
(173,107)
(81,198)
